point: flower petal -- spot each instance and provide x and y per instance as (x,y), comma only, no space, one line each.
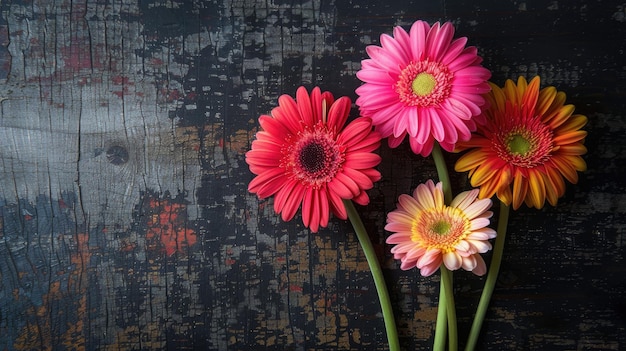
(481,267)
(338,113)
(452,260)
(361,160)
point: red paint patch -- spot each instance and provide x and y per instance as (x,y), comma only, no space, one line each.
(124,82)
(119,80)
(119,93)
(295,288)
(170,95)
(27,215)
(156,62)
(62,204)
(77,57)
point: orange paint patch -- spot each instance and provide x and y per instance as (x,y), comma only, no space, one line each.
(167,226)
(38,332)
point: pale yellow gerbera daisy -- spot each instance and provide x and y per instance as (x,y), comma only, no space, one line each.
(427,232)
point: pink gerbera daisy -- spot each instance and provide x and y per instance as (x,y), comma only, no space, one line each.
(428,232)
(304,155)
(423,84)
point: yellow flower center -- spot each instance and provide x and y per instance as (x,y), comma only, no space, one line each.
(518,144)
(527,143)
(423,84)
(441,228)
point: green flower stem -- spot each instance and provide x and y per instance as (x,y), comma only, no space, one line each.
(377,274)
(442,173)
(446,310)
(441,328)
(492,276)
(446,278)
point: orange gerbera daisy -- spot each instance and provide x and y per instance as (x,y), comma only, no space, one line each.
(529,144)
(305,155)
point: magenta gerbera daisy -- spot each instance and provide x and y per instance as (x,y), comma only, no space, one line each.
(305,156)
(428,233)
(423,84)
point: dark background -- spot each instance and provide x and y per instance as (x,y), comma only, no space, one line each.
(125,223)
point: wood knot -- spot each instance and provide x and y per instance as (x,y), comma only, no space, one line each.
(117,155)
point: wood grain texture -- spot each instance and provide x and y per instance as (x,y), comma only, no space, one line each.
(125,221)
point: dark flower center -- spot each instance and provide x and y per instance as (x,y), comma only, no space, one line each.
(312,157)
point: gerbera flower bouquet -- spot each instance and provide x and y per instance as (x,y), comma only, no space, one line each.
(519,143)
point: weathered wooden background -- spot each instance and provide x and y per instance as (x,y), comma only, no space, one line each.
(125,222)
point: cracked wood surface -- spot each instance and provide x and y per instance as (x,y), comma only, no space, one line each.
(125,223)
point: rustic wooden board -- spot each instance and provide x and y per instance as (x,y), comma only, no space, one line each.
(125,222)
